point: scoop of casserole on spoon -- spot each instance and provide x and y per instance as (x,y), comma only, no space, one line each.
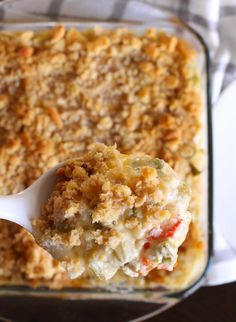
(104,212)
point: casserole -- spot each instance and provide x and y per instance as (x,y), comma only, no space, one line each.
(160,293)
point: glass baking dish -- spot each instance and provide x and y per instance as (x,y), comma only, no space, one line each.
(156,299)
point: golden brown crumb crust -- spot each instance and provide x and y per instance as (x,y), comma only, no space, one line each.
(62,90)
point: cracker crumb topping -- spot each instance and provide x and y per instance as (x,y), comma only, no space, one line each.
(62,89)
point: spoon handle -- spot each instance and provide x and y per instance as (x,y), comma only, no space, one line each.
(14,208)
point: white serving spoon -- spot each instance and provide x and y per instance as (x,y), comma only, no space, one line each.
(24,206)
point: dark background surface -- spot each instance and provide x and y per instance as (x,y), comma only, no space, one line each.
(209,304)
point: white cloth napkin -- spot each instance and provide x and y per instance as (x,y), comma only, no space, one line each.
(213,19)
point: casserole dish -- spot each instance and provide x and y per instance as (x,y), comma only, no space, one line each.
(161,294)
